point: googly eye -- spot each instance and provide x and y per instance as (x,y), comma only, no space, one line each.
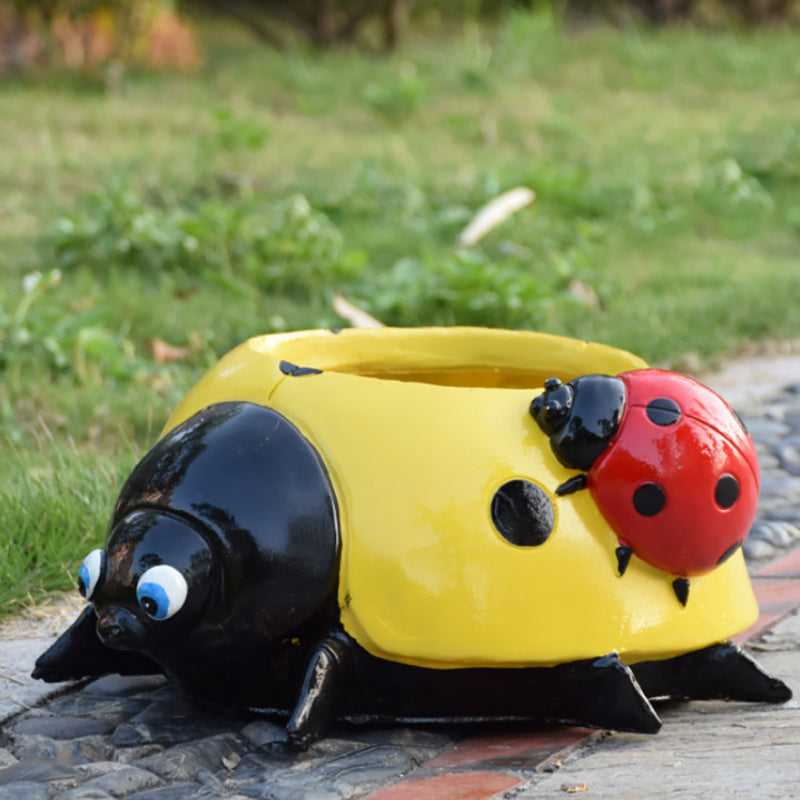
(161,591)
(90,573)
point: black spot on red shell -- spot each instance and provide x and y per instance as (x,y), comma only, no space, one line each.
(663,411)
(649,499)
(523,513)
(727,491)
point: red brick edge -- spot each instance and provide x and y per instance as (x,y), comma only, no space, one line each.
(480,761)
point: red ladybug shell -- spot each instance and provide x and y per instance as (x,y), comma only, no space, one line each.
(679,480)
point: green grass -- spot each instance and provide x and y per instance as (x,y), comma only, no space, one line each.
(205,209)
(50,500)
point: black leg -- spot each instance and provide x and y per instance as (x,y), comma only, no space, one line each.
(716,672)
(612,698)
(573,485)
(598,692)
(325,687)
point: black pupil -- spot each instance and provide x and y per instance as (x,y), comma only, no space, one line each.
(149,605)
(81,587)
(727,491)
(649,499)
(663,411)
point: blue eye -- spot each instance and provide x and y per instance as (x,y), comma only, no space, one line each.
(90,573)
(161,591)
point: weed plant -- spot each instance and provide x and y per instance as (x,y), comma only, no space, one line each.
(204,210)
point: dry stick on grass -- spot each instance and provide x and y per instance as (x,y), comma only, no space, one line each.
(494,213)
(357,317)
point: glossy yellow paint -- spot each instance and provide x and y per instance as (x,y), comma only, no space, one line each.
(418,429)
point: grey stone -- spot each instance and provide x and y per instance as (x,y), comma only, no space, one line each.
(179,791)
(209,781)
(768,461)
(784,487)
(6,759)
(25,790)
(112,709)
(345,776)
(84,751)
(125,685)
(251,769)
(85,793)
(402,737)
(128,755)
(173,721)
(777,533)
(372,765)
(130,735)
(38,770)
(757,549)
(63,727)
(278,789)
(28,748)
(762,429)
(125,780)
(789,457)
(181,762)
(786,514)
(261,732)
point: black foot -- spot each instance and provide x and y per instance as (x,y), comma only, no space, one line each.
(573,485)
(615,700)
(79,653)
(722,671)
(324,689)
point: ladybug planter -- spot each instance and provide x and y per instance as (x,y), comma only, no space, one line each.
(390,524)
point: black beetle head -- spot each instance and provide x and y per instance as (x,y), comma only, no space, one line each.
(580,417)
(151,583)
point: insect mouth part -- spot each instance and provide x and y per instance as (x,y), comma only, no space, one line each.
(120,629)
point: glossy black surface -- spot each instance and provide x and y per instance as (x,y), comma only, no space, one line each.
(79,653)
(649,499)
(287,368)
(722,671)
(580,417)
(238,502)
(623,553)
(572,485)
(726,492)
(344,679)
(681,588)
(663,411)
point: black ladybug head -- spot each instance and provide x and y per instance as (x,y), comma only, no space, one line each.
(551,408)
(580,417)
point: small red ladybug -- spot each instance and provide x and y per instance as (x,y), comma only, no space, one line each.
(667,461)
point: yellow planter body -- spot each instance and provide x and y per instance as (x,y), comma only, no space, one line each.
(418,428)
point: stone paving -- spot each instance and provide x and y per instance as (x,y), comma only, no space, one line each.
(140,739)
